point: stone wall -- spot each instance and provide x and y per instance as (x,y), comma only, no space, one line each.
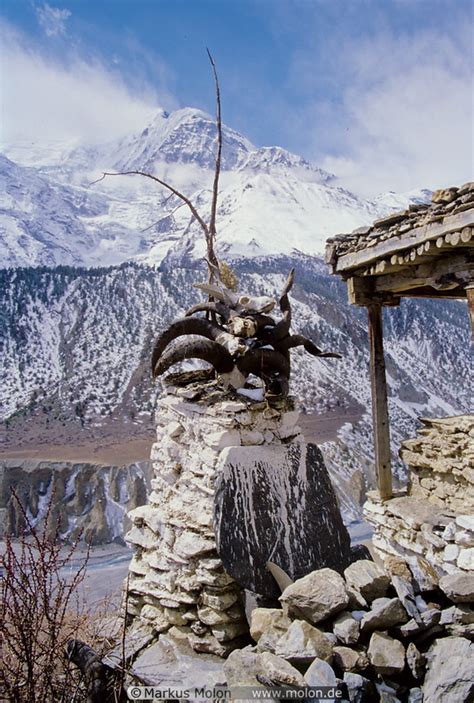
(434,517)
(176,577)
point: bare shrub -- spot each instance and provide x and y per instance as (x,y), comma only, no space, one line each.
(40,611)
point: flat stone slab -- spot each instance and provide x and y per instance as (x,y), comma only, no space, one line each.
(277,504)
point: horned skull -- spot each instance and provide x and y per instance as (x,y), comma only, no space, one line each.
(239,339)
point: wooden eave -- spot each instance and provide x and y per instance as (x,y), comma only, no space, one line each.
(434,261)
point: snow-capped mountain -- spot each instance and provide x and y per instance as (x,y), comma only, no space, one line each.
(270,202)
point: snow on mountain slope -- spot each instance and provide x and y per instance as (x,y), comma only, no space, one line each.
(77,346)
(270,201)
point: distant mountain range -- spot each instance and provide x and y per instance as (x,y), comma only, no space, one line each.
(271,201)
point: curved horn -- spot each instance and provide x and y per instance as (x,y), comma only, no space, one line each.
(220,308)
(297,340)
(188,325)
(205,349)
(282,328)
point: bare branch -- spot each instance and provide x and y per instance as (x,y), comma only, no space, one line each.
(168,214)
(215,188)
(165,185)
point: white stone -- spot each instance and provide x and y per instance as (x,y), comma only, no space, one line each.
(466,521)
(251,437)
(450,552)
(465,559)
(465,538)
(191,544)
(221,440)
(449,532)
(174,429)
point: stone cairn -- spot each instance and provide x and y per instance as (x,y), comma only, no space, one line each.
(435,518)
(176,576)
(392,633)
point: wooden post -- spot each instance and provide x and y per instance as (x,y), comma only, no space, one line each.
(470,302)
(379,403)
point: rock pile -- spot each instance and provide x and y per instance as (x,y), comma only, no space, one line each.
(388,634)
(436,518)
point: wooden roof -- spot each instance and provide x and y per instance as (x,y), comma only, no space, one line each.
(424,251)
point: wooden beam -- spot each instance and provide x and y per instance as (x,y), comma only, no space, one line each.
(379,403)
(457,266)
(414,237)
(360,291)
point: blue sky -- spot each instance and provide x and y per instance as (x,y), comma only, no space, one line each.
(377,91)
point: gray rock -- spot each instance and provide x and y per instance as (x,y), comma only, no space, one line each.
(359,688)
(171,662)
(387,655)
(450,672)
(317,596)
(385,613)
(426,577)
(320,673)
(458,587)
(269,497)
(406,593)
(367,578)
(280,672)
(262,619)
(457,615)
(346,628)
(302,643)
(349,659)
(242,667)
(416,661)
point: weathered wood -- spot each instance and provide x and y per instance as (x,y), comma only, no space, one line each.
(426,274)
(419,235)
(379,403)
(455,239)
(470,302)
(360,291)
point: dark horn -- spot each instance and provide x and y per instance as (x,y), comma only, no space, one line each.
(207,350)
(297,340)
(188,325)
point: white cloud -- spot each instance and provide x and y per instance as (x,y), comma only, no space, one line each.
(75,98)
(52,20)
(405,115)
